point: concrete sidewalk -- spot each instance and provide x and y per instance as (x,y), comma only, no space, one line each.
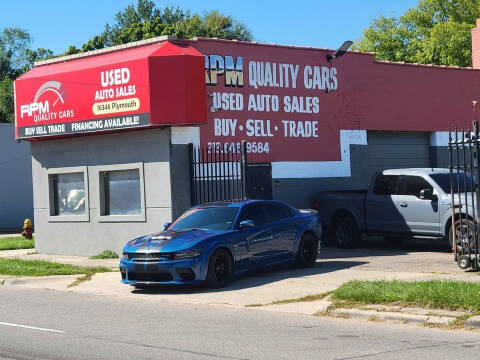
(29,254)
(9,235)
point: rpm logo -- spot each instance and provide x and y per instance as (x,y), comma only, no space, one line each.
(47,97)
(35,107)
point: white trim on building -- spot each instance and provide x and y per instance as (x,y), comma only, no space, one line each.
(322,169)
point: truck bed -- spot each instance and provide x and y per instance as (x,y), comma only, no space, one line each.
(328,203)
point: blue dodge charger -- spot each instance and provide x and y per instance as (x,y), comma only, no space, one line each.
(211,243)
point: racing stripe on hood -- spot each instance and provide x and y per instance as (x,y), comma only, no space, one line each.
(156,242)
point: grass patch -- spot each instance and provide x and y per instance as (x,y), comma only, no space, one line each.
(16,243)
(105,254)
(17,267)
(308,298)
(434,294)
(81,279)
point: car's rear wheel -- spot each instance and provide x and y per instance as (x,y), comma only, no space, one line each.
(220,271)
(307,251)
(463,235)
(346,233)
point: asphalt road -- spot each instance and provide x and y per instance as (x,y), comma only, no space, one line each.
(43,324)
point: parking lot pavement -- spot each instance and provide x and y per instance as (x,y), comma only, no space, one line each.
(414,260)
(419,255)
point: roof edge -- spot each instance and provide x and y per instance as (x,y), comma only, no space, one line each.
(163,38)
(403,63)
(159,39)
(290,46)
(133,44)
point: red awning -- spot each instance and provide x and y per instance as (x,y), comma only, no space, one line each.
(144,86)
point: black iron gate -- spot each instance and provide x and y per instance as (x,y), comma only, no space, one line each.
(465,196)
(218,173)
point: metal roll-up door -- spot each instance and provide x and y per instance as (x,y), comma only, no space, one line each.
(396,150)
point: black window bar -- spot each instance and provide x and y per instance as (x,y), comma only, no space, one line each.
(217,173)
(463,148)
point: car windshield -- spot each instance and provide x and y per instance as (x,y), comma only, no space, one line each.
(206,218)
(443,180)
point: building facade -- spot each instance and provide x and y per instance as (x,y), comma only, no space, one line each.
(16,200)
(109,130)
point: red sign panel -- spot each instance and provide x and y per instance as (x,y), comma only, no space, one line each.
(110,92)
(90,100)
(277,99)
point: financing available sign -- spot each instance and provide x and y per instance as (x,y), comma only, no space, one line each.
(81,101)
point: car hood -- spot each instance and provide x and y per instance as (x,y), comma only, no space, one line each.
(170,241)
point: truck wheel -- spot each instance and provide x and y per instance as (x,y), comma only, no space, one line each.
(465,227)
(346,232)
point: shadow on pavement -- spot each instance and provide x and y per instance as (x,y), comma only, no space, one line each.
(258,277)
(378,246)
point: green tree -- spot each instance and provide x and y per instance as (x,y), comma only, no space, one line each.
(433,32)
(33,56)
(145,20)
(16,57)
(14,44)
(7,111)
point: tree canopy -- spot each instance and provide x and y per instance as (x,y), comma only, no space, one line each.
(16,57)
(145,20)
(433,32)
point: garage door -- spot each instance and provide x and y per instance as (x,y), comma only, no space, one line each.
(395,150)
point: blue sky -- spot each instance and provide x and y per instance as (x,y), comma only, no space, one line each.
(56,24)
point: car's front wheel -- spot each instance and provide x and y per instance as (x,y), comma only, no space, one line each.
(307,251)
(220,270)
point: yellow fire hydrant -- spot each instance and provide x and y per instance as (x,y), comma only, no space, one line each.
(27,232)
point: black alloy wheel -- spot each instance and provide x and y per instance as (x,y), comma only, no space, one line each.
(346,232)
(307,251)
(220,269)
(463,235)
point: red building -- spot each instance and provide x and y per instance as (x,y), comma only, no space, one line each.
(310,124)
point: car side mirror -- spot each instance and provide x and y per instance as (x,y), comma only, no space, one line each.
(246,224)
(166,225)
(427,194)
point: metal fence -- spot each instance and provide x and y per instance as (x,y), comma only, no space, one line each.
(217,173)
(465,196)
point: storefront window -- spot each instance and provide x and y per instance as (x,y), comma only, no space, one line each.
(122,192)
(68,194)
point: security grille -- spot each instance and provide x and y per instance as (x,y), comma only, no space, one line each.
(465,196)
(217,173)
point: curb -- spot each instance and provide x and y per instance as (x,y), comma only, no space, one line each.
(39,279)
(324,305)
(393,316)
(473,322)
